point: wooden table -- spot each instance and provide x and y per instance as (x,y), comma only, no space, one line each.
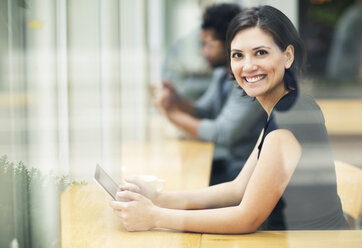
(286,239)
(88,221)
(14,100)
(342,116)
(184,164)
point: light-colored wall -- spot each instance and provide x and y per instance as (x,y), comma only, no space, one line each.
(288,7)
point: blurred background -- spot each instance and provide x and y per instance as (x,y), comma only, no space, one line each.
(75,74)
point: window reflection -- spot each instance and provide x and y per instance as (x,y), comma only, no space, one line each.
(332,33)
(74,85)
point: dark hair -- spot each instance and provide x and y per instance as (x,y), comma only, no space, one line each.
(218,17)
(278,25)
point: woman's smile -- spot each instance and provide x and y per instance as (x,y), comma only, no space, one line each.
(254,79)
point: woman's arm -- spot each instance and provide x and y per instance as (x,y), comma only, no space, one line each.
(217,196)
(278,159)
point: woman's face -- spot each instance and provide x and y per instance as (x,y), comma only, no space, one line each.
(258,63)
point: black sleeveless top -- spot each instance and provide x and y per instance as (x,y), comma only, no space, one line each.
(310,200)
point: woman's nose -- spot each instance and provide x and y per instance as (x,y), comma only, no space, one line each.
(249,65)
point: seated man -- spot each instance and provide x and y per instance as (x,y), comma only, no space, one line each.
(223,115)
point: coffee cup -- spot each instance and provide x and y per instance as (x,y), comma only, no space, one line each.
(153,181)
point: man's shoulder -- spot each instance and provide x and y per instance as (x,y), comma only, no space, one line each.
(219,71)
(237,94)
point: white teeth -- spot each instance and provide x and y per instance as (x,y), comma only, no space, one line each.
(254,79)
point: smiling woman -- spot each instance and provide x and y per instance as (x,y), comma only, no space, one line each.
(288,181)
(258,63)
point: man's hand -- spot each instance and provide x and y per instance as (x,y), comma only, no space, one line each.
(165,97)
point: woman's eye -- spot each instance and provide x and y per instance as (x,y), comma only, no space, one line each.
(261,52)
(236,55)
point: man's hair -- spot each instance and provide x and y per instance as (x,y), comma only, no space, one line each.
(218,17)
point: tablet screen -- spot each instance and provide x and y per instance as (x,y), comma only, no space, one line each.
(106,182)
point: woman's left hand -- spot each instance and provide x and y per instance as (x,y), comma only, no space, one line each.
(138,214)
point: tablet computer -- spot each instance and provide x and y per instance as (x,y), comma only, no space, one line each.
(107,183)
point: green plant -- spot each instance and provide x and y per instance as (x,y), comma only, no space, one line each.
(29,205)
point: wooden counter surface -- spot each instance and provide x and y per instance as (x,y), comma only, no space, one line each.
(342,116)
(88,221)
(286,239)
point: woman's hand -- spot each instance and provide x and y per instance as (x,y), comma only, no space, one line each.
(138,214)
(140,185)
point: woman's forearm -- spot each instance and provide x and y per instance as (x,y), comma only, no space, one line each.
(221,195)
(217,196)
(222,220)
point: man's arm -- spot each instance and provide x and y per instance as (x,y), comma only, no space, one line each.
(170,94)
(184,121)
(239,117)
(188,116)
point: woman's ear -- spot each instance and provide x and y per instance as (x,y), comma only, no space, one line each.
(289,55)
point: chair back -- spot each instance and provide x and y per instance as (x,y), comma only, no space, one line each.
(349,187)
